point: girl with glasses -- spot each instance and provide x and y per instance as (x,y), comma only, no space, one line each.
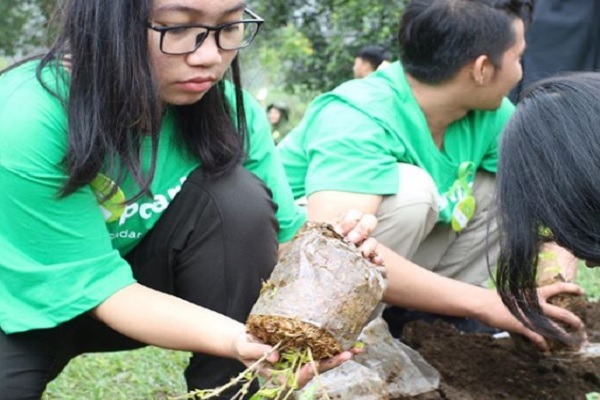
(142,200)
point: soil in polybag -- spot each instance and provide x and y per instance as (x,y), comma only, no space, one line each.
(319,296)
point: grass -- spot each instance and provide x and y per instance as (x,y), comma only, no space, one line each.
(589,279)
(153,373)
(144,374)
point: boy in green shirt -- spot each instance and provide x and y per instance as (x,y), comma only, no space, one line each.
(416,145)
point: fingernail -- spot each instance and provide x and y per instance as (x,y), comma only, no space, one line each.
(353,236)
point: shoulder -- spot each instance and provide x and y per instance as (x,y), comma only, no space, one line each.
(379,85)
(32,120)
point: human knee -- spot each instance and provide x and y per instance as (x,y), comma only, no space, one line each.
(241,198)
(417,186)
(405,219)
(416,202)
(232,246)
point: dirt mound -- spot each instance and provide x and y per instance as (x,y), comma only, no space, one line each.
(478,367)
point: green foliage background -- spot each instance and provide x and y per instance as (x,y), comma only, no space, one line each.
(313,43)
(24,26)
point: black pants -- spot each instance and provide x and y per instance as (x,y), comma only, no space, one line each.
(213,246)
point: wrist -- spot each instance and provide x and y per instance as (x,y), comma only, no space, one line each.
(480,304)
(238,334)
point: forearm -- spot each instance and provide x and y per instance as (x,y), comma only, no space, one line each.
(556,261)
(414,287)
(166,321)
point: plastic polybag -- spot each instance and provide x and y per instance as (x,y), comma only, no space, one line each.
(387,369)
(320,295)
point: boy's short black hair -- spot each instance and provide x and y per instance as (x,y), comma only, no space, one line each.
(374,55)
(438,37)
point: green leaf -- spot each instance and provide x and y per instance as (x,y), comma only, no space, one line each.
(358,345)
(268,393)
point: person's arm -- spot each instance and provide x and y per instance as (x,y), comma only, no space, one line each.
(159,319)
(327,205)
(167,321)
(414,287)
(555,260)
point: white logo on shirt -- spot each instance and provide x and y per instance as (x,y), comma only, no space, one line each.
(147,209)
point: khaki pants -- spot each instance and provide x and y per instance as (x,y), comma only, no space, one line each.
(408,225)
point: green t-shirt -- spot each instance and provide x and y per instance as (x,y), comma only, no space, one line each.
(352,138)
(63,256)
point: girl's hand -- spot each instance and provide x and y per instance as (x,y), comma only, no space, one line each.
(356,228)
(555,313)
(308,371)
(249,351)
(494,313)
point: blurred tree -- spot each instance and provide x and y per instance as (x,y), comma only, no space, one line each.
(309,45)
(24,25)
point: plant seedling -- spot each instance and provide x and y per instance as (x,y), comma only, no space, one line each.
(280,385)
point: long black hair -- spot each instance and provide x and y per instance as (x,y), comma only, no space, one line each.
(548,186)
(113,100)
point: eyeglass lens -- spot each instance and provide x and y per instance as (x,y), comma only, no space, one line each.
(229,37)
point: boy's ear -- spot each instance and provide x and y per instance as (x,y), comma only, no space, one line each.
(482,70)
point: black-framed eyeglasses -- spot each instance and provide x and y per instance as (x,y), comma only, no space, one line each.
(185,39)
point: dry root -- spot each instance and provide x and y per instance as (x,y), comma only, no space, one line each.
(293,334)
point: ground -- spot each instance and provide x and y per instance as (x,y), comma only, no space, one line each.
(477,367)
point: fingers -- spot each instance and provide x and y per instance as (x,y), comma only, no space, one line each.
(348,221)
(359,348)
(332,362)
(369,247)
(272,357)
(563,315)
(308,372)
(365,225)
(356,226)
(264,370)
(251,351)
(538,340)
(545,292)
(369,251)
(557,313)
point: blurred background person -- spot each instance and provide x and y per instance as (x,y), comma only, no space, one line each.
(369,59)
(564,35)
(279,116)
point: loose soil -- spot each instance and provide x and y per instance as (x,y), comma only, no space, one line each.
(478,367)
